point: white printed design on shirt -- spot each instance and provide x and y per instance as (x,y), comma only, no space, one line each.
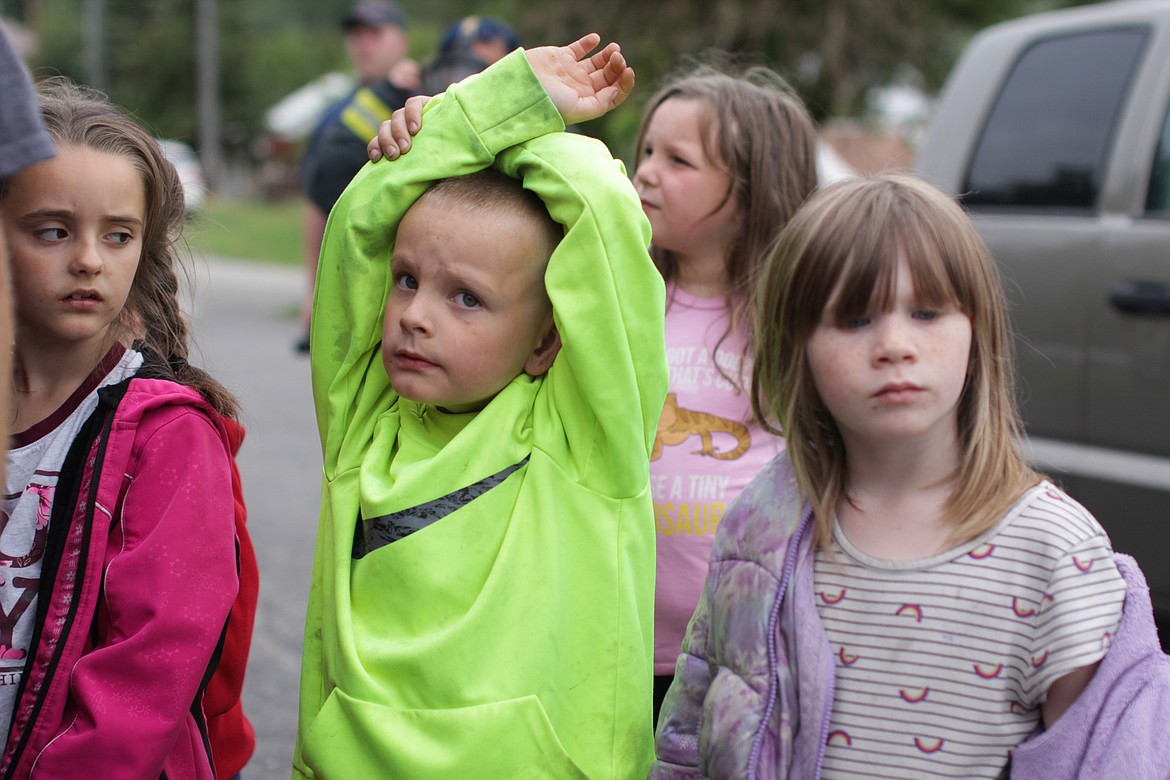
(20,572)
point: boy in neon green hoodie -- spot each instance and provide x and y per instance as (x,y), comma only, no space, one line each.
(482,593)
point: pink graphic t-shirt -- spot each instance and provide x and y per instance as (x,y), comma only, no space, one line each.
(705,451)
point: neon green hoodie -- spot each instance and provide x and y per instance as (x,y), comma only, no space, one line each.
(512,637)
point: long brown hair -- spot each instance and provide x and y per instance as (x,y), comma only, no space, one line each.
(759,130)
(82,117)
(847,241)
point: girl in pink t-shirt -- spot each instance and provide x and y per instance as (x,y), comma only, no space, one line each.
(723,160)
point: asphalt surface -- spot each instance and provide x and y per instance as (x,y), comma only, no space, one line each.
(244,318)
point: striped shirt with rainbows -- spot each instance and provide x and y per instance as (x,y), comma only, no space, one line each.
(942,663)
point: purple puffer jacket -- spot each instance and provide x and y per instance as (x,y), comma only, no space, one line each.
(1119,727)
(754,683)
(138,578)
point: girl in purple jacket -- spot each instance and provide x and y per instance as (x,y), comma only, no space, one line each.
(117,536)
(900,594)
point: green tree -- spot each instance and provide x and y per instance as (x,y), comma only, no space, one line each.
(833,51)
(266,51)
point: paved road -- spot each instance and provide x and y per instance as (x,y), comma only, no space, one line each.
(245,323)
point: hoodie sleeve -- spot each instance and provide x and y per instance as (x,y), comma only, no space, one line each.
(608,383)
(463,131)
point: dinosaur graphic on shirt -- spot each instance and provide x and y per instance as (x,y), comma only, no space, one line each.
(677,424)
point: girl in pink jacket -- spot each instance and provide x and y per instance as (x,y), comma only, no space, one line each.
(117,539)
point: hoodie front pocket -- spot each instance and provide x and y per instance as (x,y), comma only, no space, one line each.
(351,738)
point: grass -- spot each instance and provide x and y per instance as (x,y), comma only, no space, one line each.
(268,231)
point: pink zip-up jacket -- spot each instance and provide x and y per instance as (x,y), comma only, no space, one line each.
(137,583)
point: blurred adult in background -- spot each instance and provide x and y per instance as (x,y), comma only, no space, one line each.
(468,46)
(377,44)
(23,141)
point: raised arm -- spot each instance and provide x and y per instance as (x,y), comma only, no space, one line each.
(580,85)
(609,379)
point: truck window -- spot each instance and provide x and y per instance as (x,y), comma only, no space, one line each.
(1158,196)
(1047,136)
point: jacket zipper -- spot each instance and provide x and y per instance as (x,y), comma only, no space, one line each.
(773,663)
(831,692)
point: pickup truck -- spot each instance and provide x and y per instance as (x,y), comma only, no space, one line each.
(1053,130)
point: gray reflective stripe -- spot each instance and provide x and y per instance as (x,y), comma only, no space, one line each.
(380,531)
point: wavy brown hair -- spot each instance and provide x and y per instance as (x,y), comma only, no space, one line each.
(758,129)
(844,246)
(80,117)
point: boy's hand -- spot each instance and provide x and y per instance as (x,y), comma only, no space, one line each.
(393,138)
(582,87)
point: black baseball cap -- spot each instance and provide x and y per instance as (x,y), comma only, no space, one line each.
(374,13)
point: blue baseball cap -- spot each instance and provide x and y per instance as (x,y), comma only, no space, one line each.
(470,29)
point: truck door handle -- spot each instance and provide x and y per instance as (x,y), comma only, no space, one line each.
(1148,298)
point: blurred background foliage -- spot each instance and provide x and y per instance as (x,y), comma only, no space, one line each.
(833,51)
